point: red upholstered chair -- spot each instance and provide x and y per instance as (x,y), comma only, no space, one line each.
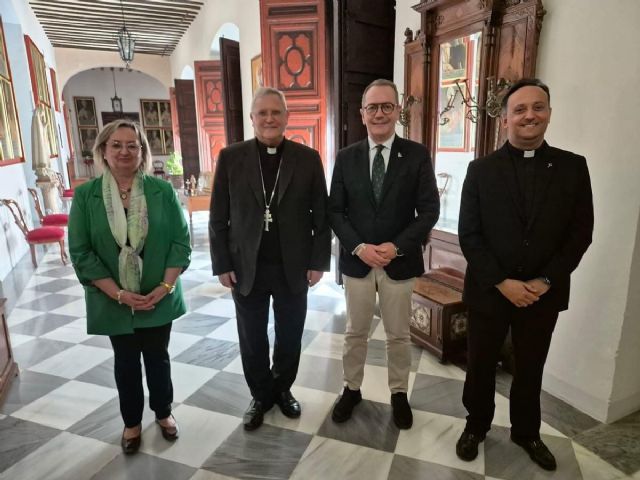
(37,236)
(51,220)
(65,193)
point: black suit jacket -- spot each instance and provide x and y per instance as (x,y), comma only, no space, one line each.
(499,243)
(409,207)
(237,208)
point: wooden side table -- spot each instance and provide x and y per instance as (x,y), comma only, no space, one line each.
(8,367)
(439,318)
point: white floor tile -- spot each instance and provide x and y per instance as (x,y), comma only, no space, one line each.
(227,331)
(62,407)
(179,342)
(375,384)
(73,361)
(222,307)
(66,456)
(19,315)
(29,296)
(315,406)
(593,467)
(74,332)
(19,339)
(186,379)
(433,438)
(326,344)
(430,365)
(77,308)
(317,320)
(76,291)
(201,432)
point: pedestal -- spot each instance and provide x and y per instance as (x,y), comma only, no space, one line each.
(49,195)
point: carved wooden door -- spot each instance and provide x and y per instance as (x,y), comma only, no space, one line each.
(188,121)
(295,62)
(231,90)
(210,111)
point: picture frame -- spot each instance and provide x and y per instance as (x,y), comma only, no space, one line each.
(256,73)
(88,137)
(11,148)
(108,117)
(85,111)
(168,141)
(155,136)
(150,112)
(165,113)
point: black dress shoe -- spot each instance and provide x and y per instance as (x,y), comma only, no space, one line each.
(131,445)
(467,446)
(343,409)
(254,416)
(402,416)
(538,452)
(170,434)
(289,406)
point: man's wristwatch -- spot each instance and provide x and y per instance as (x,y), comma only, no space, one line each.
(170,288)
(399,253)
(546,280)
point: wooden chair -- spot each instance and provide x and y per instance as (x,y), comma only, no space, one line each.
(65,193)
(37,236)
(51,220)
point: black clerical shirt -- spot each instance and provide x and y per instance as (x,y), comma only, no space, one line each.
(526,175)
(269,251)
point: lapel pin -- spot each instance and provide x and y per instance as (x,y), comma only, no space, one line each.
(399,155)
(549,165)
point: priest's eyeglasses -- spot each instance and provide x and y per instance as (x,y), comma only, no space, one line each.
(132,148)
(386,108)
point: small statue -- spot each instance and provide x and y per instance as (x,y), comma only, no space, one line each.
(193,184)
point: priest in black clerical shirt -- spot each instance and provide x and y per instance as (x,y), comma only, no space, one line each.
(270,241)
(526,220)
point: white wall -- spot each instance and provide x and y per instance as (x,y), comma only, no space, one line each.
(18,20)
(196,42)
(98,83)
(592,77)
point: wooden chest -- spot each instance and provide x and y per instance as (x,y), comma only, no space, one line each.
(439,318)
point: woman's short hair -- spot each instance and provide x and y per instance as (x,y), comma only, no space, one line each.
(109,129)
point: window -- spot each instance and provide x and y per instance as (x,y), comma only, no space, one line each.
(10,141)
(41,94)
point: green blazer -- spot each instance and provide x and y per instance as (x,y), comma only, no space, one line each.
(94,254)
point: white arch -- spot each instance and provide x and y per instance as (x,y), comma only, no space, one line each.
(187,73)
(227,30)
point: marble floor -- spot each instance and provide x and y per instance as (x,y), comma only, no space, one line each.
(60,419)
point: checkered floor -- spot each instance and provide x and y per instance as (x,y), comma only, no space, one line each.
(61,419)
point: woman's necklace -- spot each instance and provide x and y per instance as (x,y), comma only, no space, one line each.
(124,192)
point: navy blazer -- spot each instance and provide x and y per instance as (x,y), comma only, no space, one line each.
(408,210)
(499,242)
(237,208)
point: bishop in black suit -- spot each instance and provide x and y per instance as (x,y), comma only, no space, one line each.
(270,240)
(526,220)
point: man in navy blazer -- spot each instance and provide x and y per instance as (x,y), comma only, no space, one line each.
(270,240)
(526,220)
(382,206)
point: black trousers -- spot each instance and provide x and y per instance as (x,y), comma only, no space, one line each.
(531,336)
(152,343)
(252,312)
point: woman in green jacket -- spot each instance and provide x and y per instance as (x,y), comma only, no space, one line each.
(129,243)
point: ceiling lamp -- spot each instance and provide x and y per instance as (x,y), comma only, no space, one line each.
(116,101)
(126,43)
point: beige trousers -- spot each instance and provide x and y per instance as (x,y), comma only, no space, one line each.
(395,308)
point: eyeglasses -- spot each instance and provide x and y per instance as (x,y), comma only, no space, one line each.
(386,108)
(130,147)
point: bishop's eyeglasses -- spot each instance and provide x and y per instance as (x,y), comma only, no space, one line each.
(386,108)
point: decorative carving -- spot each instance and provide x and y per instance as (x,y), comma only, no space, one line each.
(511,3)
(421,317)
(439,20)
(408,35)
(458,325)
(295,60)
(213,92)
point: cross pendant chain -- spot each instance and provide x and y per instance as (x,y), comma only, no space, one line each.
(268,218)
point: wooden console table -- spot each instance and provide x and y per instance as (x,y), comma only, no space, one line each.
(8,367)
(195,203)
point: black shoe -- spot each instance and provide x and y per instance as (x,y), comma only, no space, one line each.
(170,434)
(254,416)
(131,445)
(538,452)
(343,409)
(467,446)
(289,406)
(402,416)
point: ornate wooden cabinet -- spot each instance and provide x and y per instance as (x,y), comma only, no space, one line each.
(8,367)
(458,67)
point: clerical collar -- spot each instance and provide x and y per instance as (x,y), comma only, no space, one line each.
(519,153)
(270,150)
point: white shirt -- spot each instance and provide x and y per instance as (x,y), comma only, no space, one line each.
(386,151)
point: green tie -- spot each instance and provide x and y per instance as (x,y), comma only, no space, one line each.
(377,173)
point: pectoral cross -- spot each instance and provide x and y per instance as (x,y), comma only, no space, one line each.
(268,218)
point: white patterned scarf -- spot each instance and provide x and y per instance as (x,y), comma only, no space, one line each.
(133,225)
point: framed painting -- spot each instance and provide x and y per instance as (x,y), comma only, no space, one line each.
(150,110)
(256,73)
(85,111)
(155,137)
(453,60)
(165,113)
(88,137)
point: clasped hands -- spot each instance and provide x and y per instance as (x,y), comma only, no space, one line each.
(520,293)
(377,255)
(143,302)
